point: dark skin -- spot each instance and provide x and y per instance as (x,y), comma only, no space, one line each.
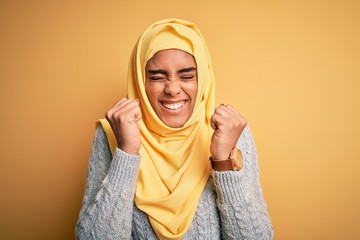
(171,86)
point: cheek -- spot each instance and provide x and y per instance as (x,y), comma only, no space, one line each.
(192,90)
(148,91)
(152,93)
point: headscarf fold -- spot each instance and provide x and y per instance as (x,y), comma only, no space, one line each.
(174,167)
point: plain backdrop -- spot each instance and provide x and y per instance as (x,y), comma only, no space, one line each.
(291,67)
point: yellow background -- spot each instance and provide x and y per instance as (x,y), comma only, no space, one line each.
(291,67)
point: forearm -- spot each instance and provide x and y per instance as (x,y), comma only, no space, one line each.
(108,202)
(241,204)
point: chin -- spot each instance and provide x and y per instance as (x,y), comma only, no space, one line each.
(174,124)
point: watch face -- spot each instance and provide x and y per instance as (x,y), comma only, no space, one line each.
(234,162)
(238,160)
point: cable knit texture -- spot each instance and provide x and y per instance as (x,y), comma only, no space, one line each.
(231,205)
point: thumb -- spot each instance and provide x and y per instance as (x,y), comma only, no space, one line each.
(137,116)
(213,123)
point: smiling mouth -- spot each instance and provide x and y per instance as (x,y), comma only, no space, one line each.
(173,106)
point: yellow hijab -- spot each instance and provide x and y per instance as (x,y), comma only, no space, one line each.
(174,161)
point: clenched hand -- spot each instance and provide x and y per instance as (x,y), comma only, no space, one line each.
(123,118)
(228,124)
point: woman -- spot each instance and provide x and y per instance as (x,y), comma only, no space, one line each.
(149,174)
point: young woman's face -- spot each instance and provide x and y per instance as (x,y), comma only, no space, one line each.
(171,86)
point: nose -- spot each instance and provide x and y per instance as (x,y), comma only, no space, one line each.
(173,87)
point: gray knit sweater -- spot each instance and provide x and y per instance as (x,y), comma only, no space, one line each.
(231,205)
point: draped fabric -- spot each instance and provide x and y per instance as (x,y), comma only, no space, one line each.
(174,166)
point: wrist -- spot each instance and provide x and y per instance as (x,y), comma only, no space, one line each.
(233,162)
(130,151)
(222,155)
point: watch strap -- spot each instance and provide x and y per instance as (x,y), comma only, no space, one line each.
(223,165)
(233,163)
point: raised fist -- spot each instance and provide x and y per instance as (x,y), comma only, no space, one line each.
(123,118)
(228,124)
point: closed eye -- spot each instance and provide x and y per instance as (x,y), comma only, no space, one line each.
(187,73)
(187,77)
(157,78)
(156,75)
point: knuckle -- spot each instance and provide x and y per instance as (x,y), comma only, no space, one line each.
(243,121)
(108,115)
(118,115)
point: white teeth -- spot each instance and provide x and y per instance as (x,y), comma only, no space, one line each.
(173,106)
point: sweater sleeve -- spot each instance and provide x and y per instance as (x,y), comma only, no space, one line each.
(107,206)
(242,208)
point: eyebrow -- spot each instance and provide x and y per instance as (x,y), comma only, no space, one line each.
(189,69)
(160,71)
(157,72)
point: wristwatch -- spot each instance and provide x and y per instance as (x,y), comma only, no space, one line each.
(234,162)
